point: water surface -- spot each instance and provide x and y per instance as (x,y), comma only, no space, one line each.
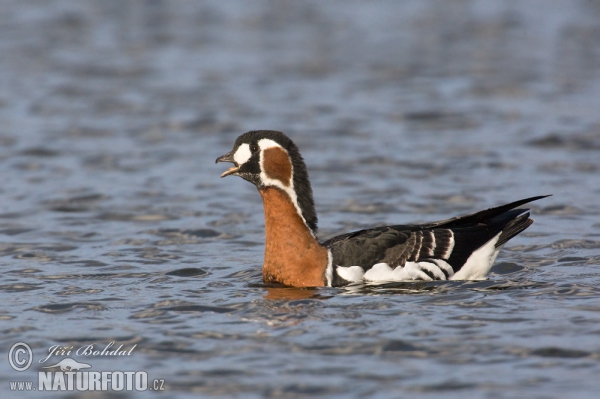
(114,225)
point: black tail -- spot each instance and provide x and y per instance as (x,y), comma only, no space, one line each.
(488,214)
(514,227)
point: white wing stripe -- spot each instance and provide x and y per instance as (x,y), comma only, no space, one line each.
(431,251)
(450,245)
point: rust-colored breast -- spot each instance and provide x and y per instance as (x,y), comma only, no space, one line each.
(293,256)
(277,165)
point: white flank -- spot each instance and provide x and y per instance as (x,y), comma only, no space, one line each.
(289,190)
(243,154)
(379,272)
(411,271)
(442,264)
(434,269)
(480,261)
(353,274)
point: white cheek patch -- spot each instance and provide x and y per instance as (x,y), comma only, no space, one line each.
(243,154)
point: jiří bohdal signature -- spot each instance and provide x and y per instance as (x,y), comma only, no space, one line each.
(88,350)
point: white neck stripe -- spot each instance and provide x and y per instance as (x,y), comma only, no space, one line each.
(267,181)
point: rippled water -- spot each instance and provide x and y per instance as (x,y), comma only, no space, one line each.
(115,227)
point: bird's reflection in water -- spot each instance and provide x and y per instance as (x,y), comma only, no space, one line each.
(290,293)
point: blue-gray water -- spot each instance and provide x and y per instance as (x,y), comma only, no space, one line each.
(115,226)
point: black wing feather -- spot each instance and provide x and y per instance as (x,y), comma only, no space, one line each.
(397,244)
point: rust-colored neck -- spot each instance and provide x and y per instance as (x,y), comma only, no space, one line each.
(293,256)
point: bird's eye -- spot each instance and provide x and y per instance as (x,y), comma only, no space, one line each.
(254,148)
